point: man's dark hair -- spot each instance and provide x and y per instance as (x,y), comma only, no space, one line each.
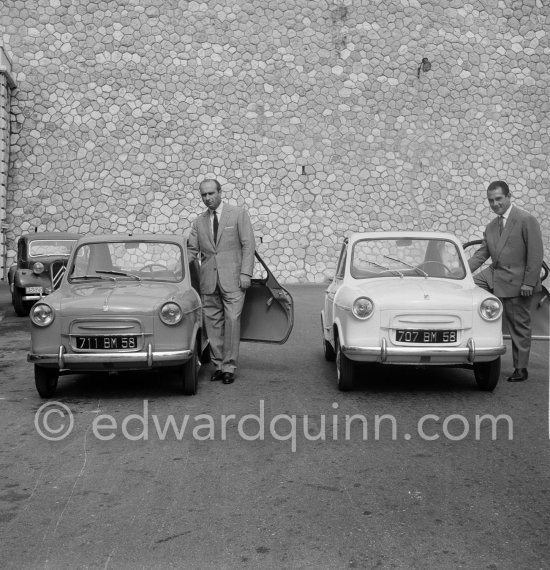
(499,184)
(218,185)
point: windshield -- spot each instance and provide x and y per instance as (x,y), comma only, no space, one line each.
(136,260)
(406,258)
(45,247)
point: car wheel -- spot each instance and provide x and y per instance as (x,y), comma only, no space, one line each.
(345,369)
(45,380)
(22,308)
(487,374)
(328,351)
(190,373)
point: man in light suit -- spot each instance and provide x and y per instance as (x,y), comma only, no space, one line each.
(223,238)
(513,242)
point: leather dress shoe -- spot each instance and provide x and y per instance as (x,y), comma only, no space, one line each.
(228,378)
(218,375)
(519,375)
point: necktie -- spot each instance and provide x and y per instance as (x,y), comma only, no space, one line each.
(215,225)
(500,224)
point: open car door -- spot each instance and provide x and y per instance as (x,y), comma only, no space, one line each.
(540,302)
(268,312)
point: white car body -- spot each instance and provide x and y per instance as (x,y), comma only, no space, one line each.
(417,318)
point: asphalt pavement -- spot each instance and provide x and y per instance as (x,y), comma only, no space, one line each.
(265,474)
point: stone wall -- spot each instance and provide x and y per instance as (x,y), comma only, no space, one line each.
(311,113)
(7,84)
(4,130)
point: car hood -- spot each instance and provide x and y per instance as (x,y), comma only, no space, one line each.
(120,297)
(418,293)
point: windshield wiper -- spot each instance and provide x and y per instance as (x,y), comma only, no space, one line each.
(121,273)
(415,267)
(386,268)
(100,277)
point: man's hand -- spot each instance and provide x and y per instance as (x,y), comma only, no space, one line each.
(526,291)
(244,281)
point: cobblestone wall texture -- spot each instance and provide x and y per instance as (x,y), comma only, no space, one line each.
(311,113)
(4,142)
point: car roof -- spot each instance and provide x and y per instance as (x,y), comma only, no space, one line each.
(403,235)
(108,238)
(50,235)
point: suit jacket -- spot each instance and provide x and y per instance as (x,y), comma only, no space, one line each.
(516,255)
(233,253)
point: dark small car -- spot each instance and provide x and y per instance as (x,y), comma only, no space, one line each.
(41,262)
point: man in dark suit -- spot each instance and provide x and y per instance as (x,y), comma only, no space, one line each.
(224,239)
(513,242)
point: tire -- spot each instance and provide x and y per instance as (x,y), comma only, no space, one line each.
(487,374)
(345,370)
(45,380)
(206,356)
(328,351)
(190,374)
(22,308)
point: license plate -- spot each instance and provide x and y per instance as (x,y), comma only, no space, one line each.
(33,290)
(425,336)
(106,342)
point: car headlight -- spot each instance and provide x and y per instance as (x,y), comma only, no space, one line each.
(490,309)
(38,268)
(170,313)
(42,315)
(362,308)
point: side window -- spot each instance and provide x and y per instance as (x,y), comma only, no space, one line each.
(340,269)
(80,264)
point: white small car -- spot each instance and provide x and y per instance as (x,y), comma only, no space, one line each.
(409,298)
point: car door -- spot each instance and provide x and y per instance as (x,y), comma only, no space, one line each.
(540,302)
(335,284)
(268,312)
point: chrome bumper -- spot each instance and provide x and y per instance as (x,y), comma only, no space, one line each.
(383,353)
(150,357)
(32,297)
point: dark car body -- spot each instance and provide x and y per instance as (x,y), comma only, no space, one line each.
(41,261)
